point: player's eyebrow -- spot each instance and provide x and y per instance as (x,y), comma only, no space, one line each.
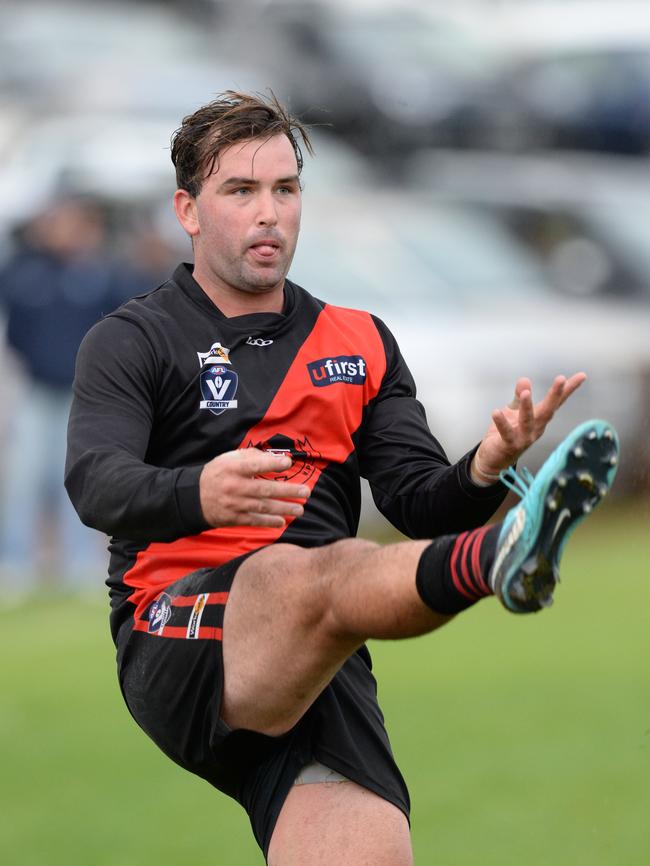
(249,181)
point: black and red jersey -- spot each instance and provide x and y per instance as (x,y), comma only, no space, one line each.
(167,382)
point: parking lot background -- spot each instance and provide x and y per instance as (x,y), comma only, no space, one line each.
(480,180)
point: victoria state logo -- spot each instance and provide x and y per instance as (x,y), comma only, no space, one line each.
(218,382)
(350,369)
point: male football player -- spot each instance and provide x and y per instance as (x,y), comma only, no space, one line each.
(220,426)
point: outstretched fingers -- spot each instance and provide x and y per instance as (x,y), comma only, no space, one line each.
(523,384)
(526,418)
(572,384)
(522,422)
(557,394)
(516,437)
(505,428)
(519,424)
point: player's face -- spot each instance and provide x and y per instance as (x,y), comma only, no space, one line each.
(245,220)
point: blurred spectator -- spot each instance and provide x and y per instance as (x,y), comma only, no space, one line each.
(149,254)
(57,283)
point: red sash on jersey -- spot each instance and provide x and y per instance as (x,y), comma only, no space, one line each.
(323,413)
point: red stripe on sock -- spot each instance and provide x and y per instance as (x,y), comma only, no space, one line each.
(470,584)
(479,535)
(455,576)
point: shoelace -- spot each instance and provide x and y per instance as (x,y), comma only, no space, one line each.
(518,482)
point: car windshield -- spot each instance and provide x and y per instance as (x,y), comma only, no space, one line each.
(380,255)
(469,251)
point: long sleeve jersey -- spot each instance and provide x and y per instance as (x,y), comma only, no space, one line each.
(166,383)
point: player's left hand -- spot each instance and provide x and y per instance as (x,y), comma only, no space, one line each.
(515,427)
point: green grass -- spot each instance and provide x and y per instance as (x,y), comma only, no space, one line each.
(525,740)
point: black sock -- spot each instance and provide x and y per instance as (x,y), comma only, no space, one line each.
(453,570)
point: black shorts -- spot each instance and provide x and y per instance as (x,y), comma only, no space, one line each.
(171,675)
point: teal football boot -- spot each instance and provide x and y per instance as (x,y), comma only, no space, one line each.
(568,486)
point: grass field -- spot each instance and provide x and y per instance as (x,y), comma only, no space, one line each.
(524,740)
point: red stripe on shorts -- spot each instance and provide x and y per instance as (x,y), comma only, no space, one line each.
(206,632)
(190,600)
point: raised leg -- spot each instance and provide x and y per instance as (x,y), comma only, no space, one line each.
(295,615)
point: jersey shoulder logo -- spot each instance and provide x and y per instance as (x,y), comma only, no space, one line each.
(217,354)
(349,369)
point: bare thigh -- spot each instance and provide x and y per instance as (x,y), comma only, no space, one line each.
(339,822)
(279,651)
(294,616)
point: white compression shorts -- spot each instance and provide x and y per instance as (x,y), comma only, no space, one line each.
(316,772)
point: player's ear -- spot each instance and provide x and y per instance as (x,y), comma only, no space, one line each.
(186,212)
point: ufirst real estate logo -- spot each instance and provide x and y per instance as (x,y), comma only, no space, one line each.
(349,369)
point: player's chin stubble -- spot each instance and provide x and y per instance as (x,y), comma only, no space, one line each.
(258,280)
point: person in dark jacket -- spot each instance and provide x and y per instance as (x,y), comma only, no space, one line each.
(60,280)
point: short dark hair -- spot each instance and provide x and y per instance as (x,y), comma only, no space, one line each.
(229,118)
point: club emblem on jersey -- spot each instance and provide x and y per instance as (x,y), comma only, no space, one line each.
(218,354)
(218,388)
(301,451)
(159,614)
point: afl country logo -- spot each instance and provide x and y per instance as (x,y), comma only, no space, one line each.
(218,383)
(218,389)
(159,614)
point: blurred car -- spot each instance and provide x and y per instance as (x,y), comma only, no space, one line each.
(384,76)
(585,218)
(48,49)
(572,76)
(595,100)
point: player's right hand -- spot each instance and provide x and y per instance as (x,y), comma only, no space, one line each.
(232,494)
